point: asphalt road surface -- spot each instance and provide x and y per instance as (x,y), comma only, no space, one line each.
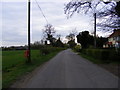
(69,70)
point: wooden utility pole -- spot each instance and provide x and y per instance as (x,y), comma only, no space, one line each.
(94,30)
(29,49)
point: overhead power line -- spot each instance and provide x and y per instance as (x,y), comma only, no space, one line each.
(41,11)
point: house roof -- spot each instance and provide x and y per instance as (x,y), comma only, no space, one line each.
(115,33)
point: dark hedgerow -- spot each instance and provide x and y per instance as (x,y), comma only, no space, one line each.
(105,55)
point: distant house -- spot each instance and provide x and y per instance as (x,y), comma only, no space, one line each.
(114,39)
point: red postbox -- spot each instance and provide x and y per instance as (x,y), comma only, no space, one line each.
(26,54)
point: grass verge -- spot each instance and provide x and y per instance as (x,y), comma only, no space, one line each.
(13,69)
(96,61)
(113,67)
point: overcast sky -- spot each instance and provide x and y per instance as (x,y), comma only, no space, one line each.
(14,21)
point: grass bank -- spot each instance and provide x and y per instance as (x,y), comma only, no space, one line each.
(14,64)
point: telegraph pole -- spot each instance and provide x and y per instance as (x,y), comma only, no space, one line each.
(94,30)
(29,49)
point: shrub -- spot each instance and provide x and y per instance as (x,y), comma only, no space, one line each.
(77,48)
(49,49)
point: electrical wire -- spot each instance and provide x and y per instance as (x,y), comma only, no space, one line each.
(41,11)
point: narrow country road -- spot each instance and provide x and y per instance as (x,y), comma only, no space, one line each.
(69,70)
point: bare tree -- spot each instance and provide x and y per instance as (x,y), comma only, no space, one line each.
(87,6)
(97,8)
(58,36)
(72,35)
(117,8)
(113,22)
(48,32)
(71,39)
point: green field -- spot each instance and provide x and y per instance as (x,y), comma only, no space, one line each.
(14,64)
(11,59)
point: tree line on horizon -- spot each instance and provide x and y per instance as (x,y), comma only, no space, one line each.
(84,38)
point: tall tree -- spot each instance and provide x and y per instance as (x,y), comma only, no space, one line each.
(48,32)
(71,39)
(85,39)
(71,35)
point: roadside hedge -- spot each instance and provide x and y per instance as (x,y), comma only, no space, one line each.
(103,54)
(48,49)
